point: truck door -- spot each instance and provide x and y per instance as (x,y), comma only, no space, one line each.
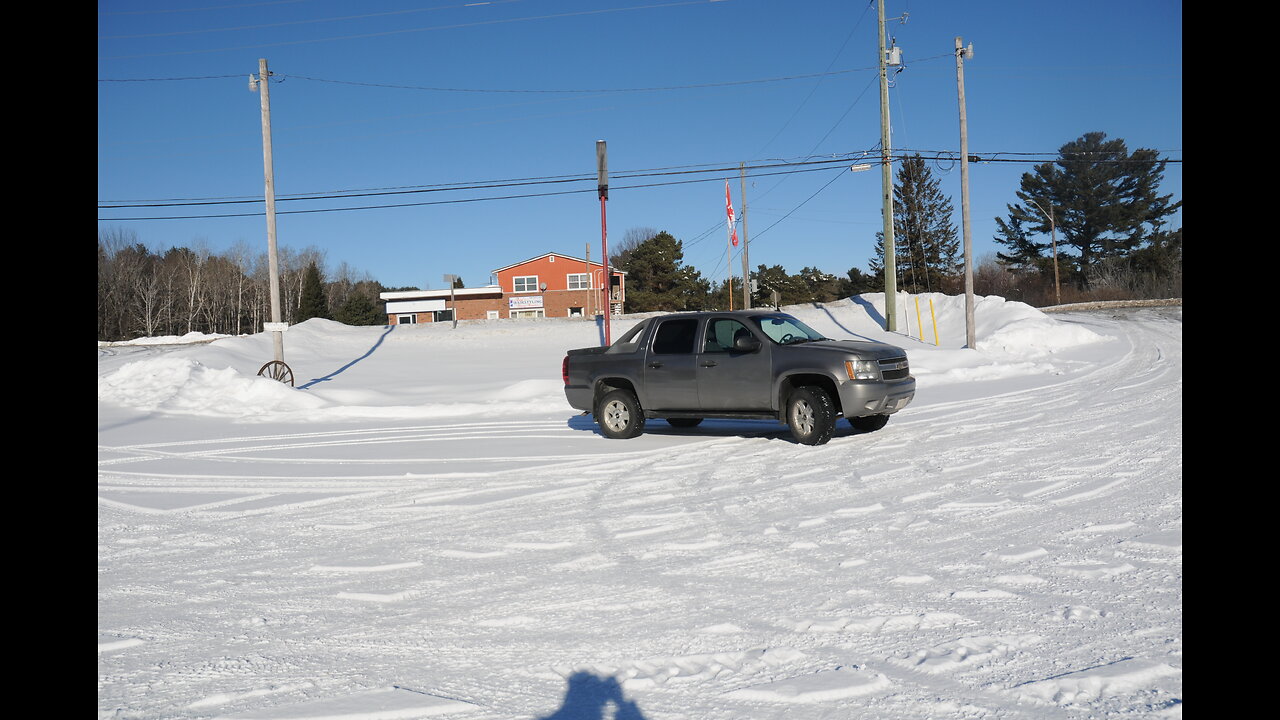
(729,379)
(670,382)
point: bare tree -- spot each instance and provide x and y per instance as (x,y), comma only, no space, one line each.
(632,239)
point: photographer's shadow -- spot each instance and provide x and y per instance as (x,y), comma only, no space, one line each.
(589,697)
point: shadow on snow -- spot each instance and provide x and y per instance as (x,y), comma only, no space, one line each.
(590,697)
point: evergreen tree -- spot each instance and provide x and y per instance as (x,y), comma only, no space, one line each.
(857,283)
(312,301)
(926,245)
(808,286)
(657,278)
(360,307)
(1105,203)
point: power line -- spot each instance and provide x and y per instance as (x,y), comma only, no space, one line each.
(385,33)
(311,21)
(476,185)
(425,203)
(199,9)
(777,169)
(281,77)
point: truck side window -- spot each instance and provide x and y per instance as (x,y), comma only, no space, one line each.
(675,337)
(720,335)
(629,342)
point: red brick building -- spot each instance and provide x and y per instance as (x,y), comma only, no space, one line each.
(551,285)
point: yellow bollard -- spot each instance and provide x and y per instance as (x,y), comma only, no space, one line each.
(935,322)
(918,323)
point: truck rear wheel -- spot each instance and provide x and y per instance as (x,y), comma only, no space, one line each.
(619,415)
(811,415)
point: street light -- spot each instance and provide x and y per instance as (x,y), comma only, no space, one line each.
(1053,235)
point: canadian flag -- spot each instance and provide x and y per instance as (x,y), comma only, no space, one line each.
(728,206)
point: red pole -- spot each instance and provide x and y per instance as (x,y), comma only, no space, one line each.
(608,284)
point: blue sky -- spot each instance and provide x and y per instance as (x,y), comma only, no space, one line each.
(392,95)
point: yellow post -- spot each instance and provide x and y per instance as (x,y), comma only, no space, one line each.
(935,322)
(919,324)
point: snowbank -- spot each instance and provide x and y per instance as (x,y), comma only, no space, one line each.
(494,367)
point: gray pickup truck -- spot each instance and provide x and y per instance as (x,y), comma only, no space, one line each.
(748,364)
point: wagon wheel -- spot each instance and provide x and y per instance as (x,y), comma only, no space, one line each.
(277,370)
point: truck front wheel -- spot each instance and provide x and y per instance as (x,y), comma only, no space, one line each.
(619,415)
(811,415)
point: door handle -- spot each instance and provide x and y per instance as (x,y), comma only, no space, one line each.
(708,363)
(655,364)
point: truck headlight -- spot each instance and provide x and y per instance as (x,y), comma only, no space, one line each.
(862,369)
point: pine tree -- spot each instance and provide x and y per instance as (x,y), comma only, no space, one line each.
(1105,202)
(926,245)
(360,309)
(312,301)
(657,278)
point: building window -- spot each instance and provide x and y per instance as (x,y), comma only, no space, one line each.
(579,281)
(526,283)
(443,316)
(575,312)
(491,315)
(528,313)
(406,319)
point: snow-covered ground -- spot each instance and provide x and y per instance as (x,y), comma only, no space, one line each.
(425,528)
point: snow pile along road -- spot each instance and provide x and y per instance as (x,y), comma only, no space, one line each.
(428,530)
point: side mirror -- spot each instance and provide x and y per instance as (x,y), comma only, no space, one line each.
(745,344)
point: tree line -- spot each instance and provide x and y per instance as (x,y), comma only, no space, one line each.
(1101,202)
(143,293)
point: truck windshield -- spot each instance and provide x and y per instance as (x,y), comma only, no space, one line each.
(785,330)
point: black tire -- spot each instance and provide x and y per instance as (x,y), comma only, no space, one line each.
(869,423)
(619,415)
(684,422)
(810,415)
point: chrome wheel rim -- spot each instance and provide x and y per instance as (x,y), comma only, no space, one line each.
(802,416)
(616,416)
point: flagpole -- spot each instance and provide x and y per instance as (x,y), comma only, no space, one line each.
(729,262)
(732,239)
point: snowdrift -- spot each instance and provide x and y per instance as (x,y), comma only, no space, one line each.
(489,368)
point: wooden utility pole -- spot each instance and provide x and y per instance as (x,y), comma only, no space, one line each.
(746,263)
(969,333)
(273,261)
(886,186)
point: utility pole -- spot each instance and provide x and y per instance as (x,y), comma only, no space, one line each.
(886,184)
(586,311)
(970,335)
(746,264)
(453,303)
(261,85)
(602,186)
(1053,236)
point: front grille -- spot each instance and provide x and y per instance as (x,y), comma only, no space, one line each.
(894,368)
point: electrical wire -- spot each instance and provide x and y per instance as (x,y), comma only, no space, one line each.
(481,185)
(385,33)
(426,203)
